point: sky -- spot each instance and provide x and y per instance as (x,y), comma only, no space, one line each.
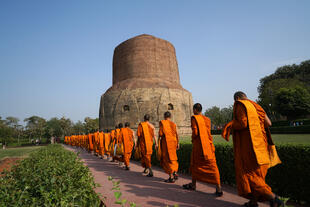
(56,56)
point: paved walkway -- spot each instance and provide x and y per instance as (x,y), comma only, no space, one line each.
(145,191)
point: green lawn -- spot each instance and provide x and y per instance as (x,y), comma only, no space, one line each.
(277,138)
(17,152)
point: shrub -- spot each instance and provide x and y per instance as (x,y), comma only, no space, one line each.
(51,176)
(304,129)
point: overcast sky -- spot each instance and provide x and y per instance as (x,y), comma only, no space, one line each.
(56,56)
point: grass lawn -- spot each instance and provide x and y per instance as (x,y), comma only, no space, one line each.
(17,152)
(277,138)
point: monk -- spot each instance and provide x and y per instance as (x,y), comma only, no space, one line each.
(128,140)
(90,143)
(101,144)
(169,144)
(113,142)
(107,140)
(203,162)
(119,142)
(254,150)
(146,135)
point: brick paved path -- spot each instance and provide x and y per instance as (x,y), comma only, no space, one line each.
(146,191)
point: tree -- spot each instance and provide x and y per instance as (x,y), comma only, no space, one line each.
(12,121)
(293,102)
(78,128)
(36,126)
(91,124)
(53,128)
(219,117)
(288,76)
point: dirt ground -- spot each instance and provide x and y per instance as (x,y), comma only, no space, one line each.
(8,163)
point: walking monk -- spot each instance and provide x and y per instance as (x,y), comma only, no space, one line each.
(203,162)
(252,149)
(112,143)
(107,140)
(146,135)
(128,140)
(90,143)
(101,144)
(169,144)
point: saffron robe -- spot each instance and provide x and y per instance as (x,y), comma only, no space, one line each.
(168,146)
(203,162)
(145,135)
(127,136)
(253,155)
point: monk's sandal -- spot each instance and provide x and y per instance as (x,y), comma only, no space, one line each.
(277,201)
(249,204)
(175,176)
(170,180)
(219,193)
(189,187)
(150,175)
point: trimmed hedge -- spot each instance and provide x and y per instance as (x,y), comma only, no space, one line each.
(304,129)
(289,179)
(288,123)
(51,176)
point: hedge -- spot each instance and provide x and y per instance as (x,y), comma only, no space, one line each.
(304,129)
(290,179)
(51,176)
(288,123)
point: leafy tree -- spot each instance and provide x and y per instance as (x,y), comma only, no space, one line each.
(53,128)
(91,124)
(293,102)
(36,126)
(78,128)
(219,117)
(288,76)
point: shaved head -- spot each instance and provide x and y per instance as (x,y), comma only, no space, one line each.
(239,95)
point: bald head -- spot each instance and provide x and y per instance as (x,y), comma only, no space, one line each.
(239,95)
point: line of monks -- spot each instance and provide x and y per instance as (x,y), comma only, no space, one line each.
(254,151)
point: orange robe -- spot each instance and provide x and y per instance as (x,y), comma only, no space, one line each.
(90,140)
(127,140)
(117,141)
(145,135)
(112,143)
(101,143)
(168,146)
(107,140)
(203,162)
(251,150)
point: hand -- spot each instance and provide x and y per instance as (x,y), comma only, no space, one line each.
(156,146)
(178,146)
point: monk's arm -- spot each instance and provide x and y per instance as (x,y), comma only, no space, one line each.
(267,121)
(241,120)
(133,137)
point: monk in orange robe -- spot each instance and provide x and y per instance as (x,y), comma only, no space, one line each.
(113,142)
(101,144)
(128,140)
(169,144)
(203,162)
(119,158)
(107,140)
(254,150)
(90,142)
(146,135)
